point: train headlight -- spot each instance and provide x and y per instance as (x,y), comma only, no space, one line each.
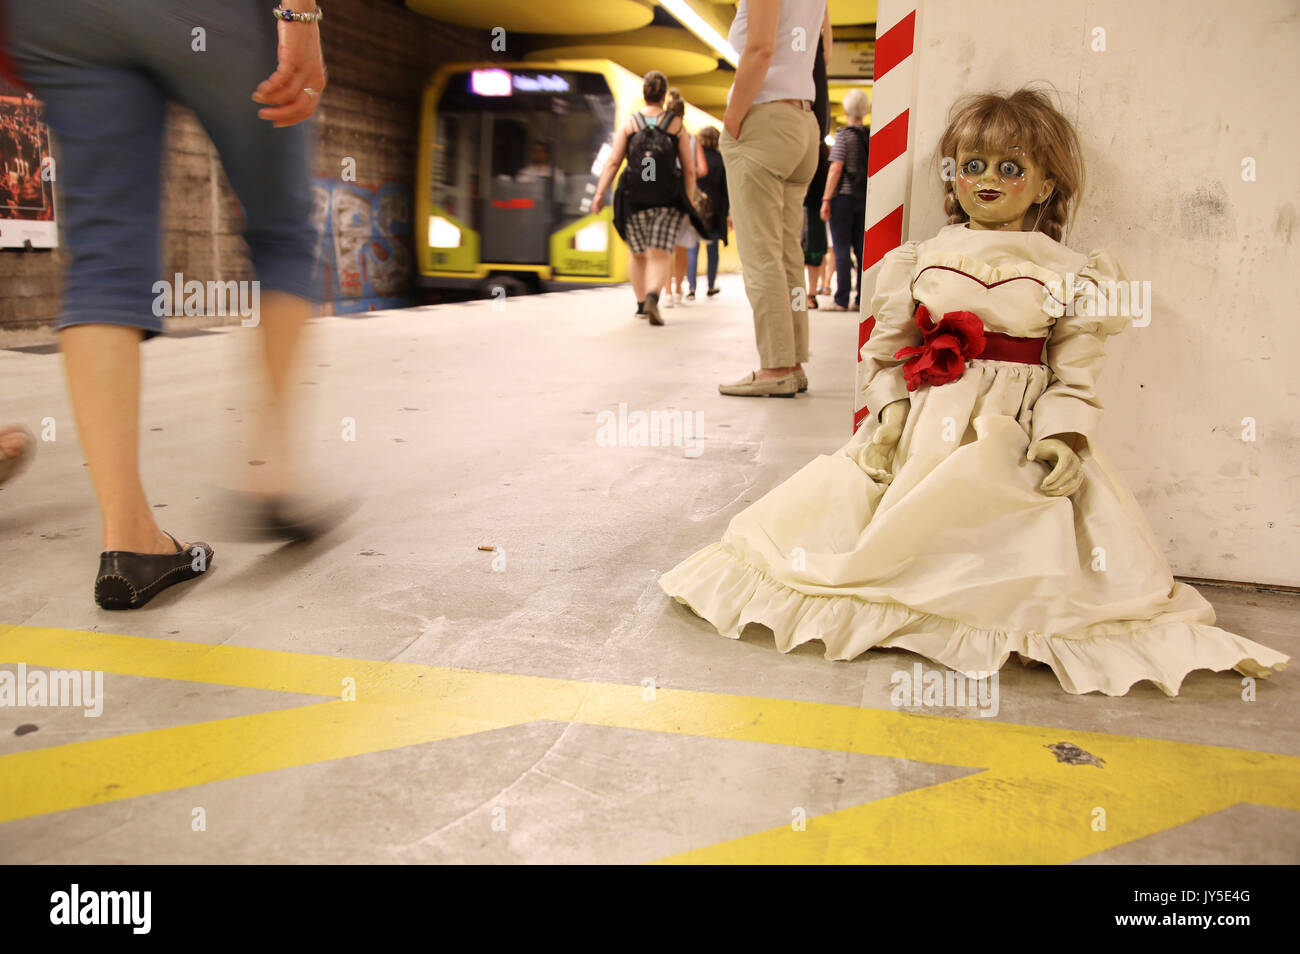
(601,156)
(592,238)
(442,234)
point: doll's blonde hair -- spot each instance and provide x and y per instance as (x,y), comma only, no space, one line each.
(1028,119)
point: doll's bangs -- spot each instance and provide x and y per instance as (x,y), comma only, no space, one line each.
(992,124)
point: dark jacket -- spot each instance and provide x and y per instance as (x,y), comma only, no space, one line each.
(821,98)
(714,184)
(812,199)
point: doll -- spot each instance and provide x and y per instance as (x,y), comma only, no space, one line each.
(971,517)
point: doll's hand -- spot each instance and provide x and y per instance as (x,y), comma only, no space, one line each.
(876,457)
(1067,474)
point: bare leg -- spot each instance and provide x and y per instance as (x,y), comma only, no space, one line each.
(636,272)
(658,265)
(282,319)
(102,364)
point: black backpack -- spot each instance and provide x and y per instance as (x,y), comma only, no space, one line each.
(859,180)
(653,173)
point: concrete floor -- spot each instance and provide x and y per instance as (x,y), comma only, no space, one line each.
(647,735)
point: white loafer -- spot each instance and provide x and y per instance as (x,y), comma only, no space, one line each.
(785,386)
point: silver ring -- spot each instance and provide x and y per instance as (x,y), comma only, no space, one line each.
(309,91)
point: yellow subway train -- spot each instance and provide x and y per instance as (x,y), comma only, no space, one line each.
(510,156)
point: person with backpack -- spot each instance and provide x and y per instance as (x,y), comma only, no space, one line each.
(650,204)
(844,203)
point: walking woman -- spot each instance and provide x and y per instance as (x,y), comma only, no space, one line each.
(105,70)
(769,143)
(687,250)
(650,204)
(712,182)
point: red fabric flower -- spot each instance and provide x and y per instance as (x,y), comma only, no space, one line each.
(958,337)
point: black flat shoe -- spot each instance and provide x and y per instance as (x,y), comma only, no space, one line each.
(129,580)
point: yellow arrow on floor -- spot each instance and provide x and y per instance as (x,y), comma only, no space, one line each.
(1025,806)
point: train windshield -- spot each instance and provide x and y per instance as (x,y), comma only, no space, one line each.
(518,154)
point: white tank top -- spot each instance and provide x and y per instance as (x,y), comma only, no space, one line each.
(790,76)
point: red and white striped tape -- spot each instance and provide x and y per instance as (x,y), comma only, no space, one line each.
(889,169)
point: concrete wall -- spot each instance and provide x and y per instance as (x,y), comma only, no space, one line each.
(378,55)
(1181,95)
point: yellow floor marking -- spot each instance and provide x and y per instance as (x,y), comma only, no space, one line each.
(1024,806)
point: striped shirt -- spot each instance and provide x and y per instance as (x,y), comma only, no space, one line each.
(846,150)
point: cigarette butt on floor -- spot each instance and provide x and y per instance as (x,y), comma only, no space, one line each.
(486,547)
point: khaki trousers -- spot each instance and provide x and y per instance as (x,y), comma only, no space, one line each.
(768,171)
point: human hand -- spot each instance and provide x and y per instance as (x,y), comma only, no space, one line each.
(876,457)
(732,121)
(1067,473)
(300,67)
(825,213)
(597,203)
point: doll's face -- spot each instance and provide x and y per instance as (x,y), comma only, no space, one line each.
(998,187)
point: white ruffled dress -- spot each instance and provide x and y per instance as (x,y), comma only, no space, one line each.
(962,558)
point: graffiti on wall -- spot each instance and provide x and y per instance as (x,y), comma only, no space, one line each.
(365,260)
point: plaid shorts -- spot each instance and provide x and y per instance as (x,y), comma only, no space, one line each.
(654,228)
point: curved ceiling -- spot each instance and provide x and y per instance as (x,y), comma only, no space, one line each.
(539,16)
(706,91)
(673,51)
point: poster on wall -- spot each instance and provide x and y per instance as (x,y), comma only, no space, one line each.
(27,172)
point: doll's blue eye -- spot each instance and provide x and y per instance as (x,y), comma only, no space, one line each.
(973,167)
(1009,169)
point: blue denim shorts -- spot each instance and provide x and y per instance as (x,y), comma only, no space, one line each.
(105,70)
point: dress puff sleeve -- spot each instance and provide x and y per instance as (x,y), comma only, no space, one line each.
(880,374)
(1076,351)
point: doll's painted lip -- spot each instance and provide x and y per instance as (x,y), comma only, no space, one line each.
(989,195)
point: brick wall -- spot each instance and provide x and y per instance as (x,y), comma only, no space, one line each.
(379,56)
